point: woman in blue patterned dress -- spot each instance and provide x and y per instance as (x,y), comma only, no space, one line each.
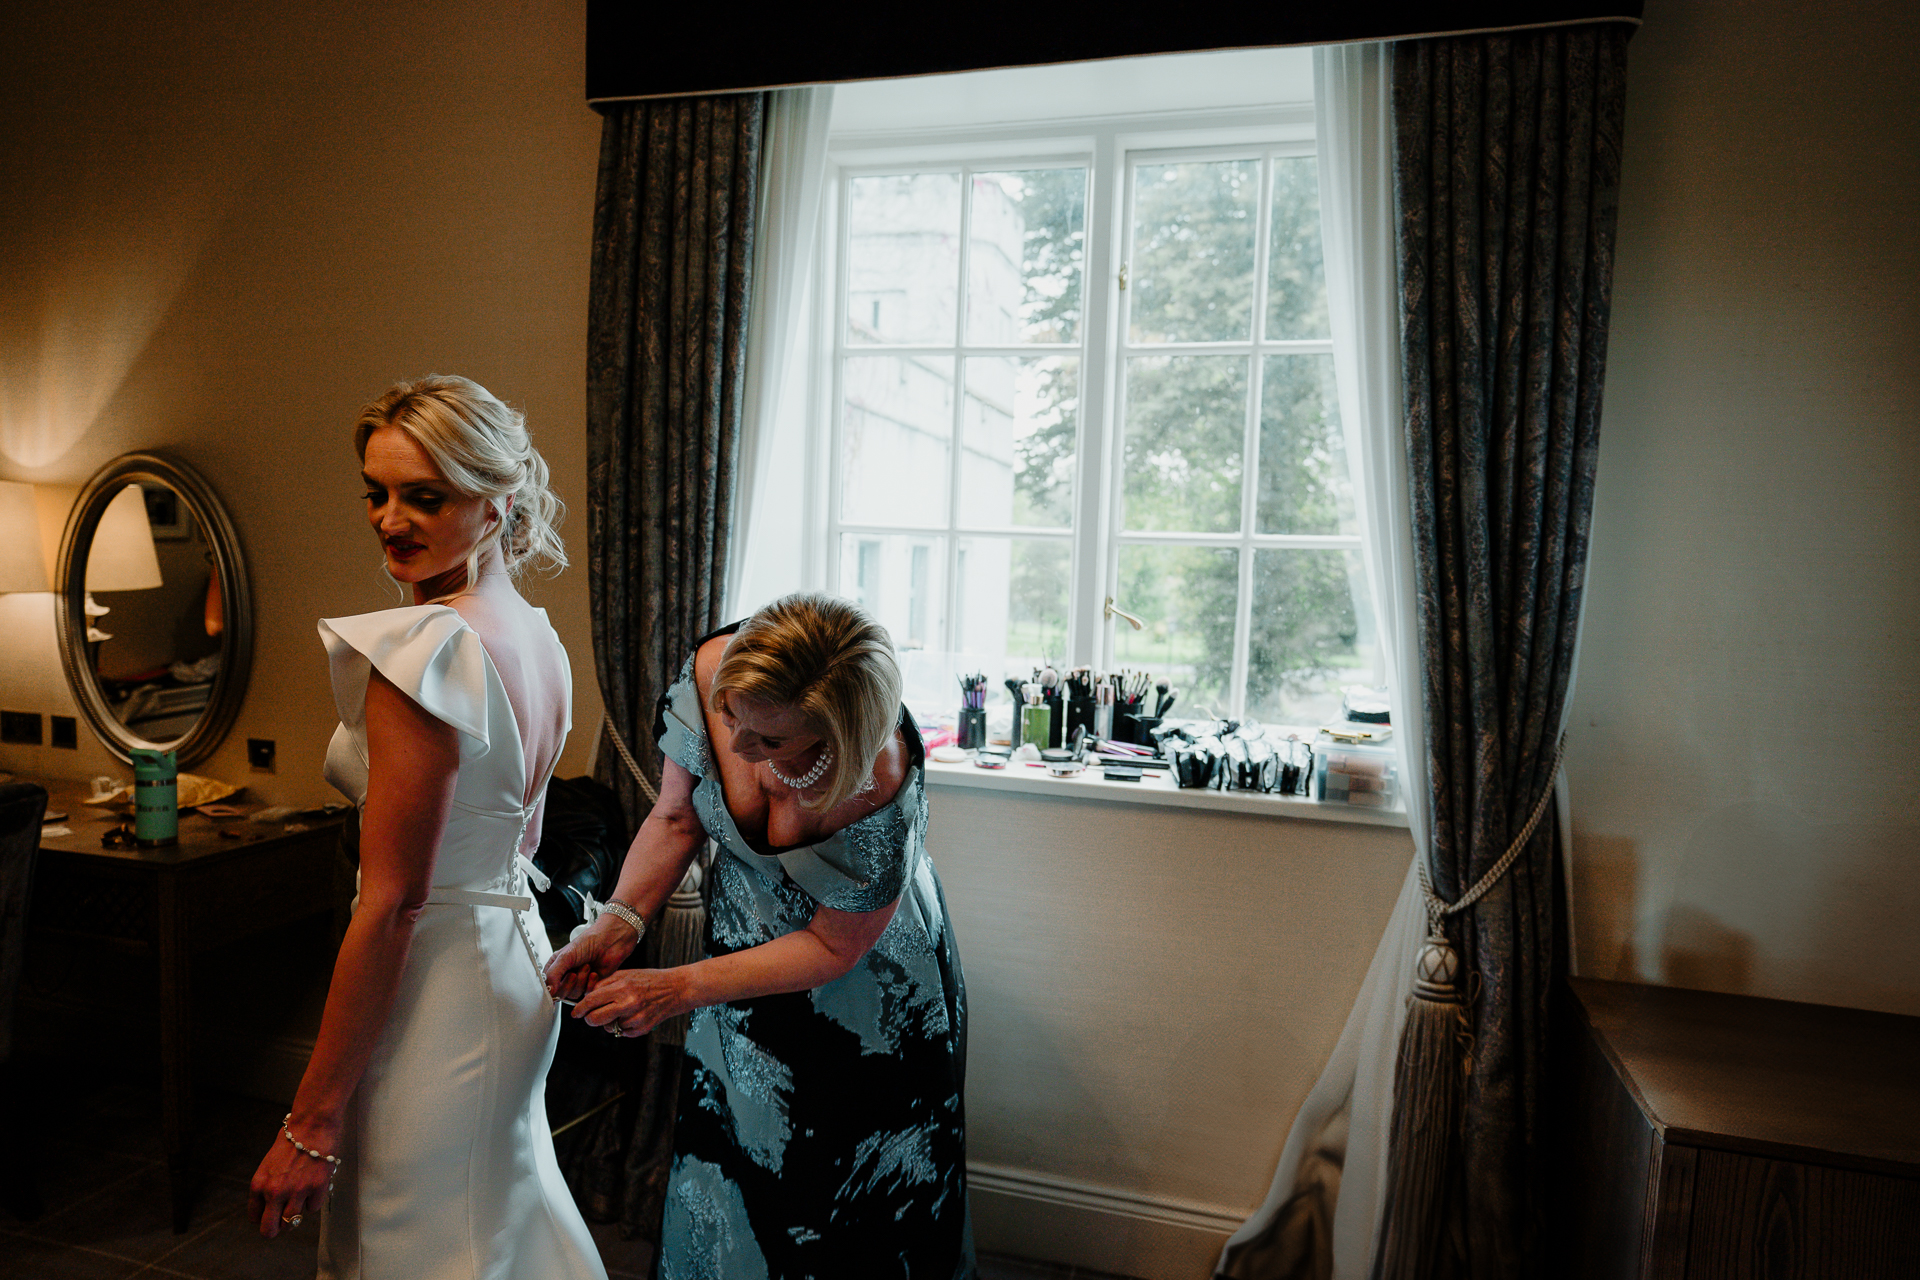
(821,1129)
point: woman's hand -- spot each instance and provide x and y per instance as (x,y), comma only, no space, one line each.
(578,967)
(289,1184)
(635,1001)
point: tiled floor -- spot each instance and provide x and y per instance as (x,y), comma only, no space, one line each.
(104,1187)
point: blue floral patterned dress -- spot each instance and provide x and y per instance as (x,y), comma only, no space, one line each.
(821,1133)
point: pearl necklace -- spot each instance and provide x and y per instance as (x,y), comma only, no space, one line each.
(808,778)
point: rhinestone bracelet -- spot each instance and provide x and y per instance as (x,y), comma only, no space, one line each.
(628,914)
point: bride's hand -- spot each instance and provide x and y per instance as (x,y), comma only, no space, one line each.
(577,967)
(289,1184)
(633,1002)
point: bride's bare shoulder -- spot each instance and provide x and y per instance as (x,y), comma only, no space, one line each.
(509,628)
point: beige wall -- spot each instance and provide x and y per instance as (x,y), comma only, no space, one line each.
(224,232)
(1153,992)
(1743,744)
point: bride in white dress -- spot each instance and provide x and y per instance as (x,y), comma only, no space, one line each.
(420,1126)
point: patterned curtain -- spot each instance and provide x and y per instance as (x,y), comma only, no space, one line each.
(1507,175)
(666,347)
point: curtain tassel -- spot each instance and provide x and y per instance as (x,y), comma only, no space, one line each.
(1429,1094)
(1430,1078)
(680,939)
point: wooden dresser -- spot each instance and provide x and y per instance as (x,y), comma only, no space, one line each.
(224,882)
(1711,1136)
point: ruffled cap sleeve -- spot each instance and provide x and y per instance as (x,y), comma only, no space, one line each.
(428,652)
(680,724)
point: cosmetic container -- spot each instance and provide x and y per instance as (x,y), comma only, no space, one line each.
(1036,724)
(1080,715)
(972,729)
(1354,775)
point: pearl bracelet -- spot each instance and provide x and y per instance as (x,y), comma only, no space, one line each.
(628,914)
(304,1149)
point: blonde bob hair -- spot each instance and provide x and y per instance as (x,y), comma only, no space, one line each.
(831,661)
(482,448)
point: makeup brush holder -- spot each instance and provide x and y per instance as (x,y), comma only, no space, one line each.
(1128,727)
(972,729)
(1079,716)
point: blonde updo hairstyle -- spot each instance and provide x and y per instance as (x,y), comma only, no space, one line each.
(482,448)
(827,658)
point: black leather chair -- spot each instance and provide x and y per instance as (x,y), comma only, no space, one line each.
(22,806)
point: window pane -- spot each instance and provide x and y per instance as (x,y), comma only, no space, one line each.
(1296,271)
(894,437)
(1191,276)
(1304,483)
(1185,444)
(903,257)
(900,578)
(1186,597)
(1023,273)
(1013,601)
(1312,635)
(1017,448)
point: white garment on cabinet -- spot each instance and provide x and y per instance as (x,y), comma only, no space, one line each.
(448,1168)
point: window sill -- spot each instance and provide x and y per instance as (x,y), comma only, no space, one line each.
(1155,789)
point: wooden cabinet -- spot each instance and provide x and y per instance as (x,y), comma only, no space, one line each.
(1708,1137)
(222,883)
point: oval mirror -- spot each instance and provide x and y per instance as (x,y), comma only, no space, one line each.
(155,614)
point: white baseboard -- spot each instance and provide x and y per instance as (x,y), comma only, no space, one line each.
(1015,1211)
(1128,1233)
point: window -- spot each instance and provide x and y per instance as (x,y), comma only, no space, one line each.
(1068,369)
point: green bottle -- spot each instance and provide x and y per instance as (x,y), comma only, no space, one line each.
(1036,723)
(156,798)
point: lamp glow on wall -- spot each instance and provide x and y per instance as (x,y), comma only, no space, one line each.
(121,556)
(23,564)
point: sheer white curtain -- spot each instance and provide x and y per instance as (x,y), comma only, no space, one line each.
(768,535)
(1353,121)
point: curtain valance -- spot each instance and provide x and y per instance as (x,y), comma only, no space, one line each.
(637,50)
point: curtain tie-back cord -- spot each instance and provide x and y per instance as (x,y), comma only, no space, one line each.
(1438,908)
(1430,1075)
(633,766)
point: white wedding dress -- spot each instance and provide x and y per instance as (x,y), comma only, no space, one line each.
(448,1171)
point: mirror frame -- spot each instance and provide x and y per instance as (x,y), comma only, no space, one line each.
(236,602)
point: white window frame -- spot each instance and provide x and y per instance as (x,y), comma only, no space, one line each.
(1255,349)
(1109,146)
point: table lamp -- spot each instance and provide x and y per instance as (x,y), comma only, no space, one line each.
(121,556)
(22,566)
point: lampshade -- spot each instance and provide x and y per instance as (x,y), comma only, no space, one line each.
(22,567)
(55,502)
(121,557)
